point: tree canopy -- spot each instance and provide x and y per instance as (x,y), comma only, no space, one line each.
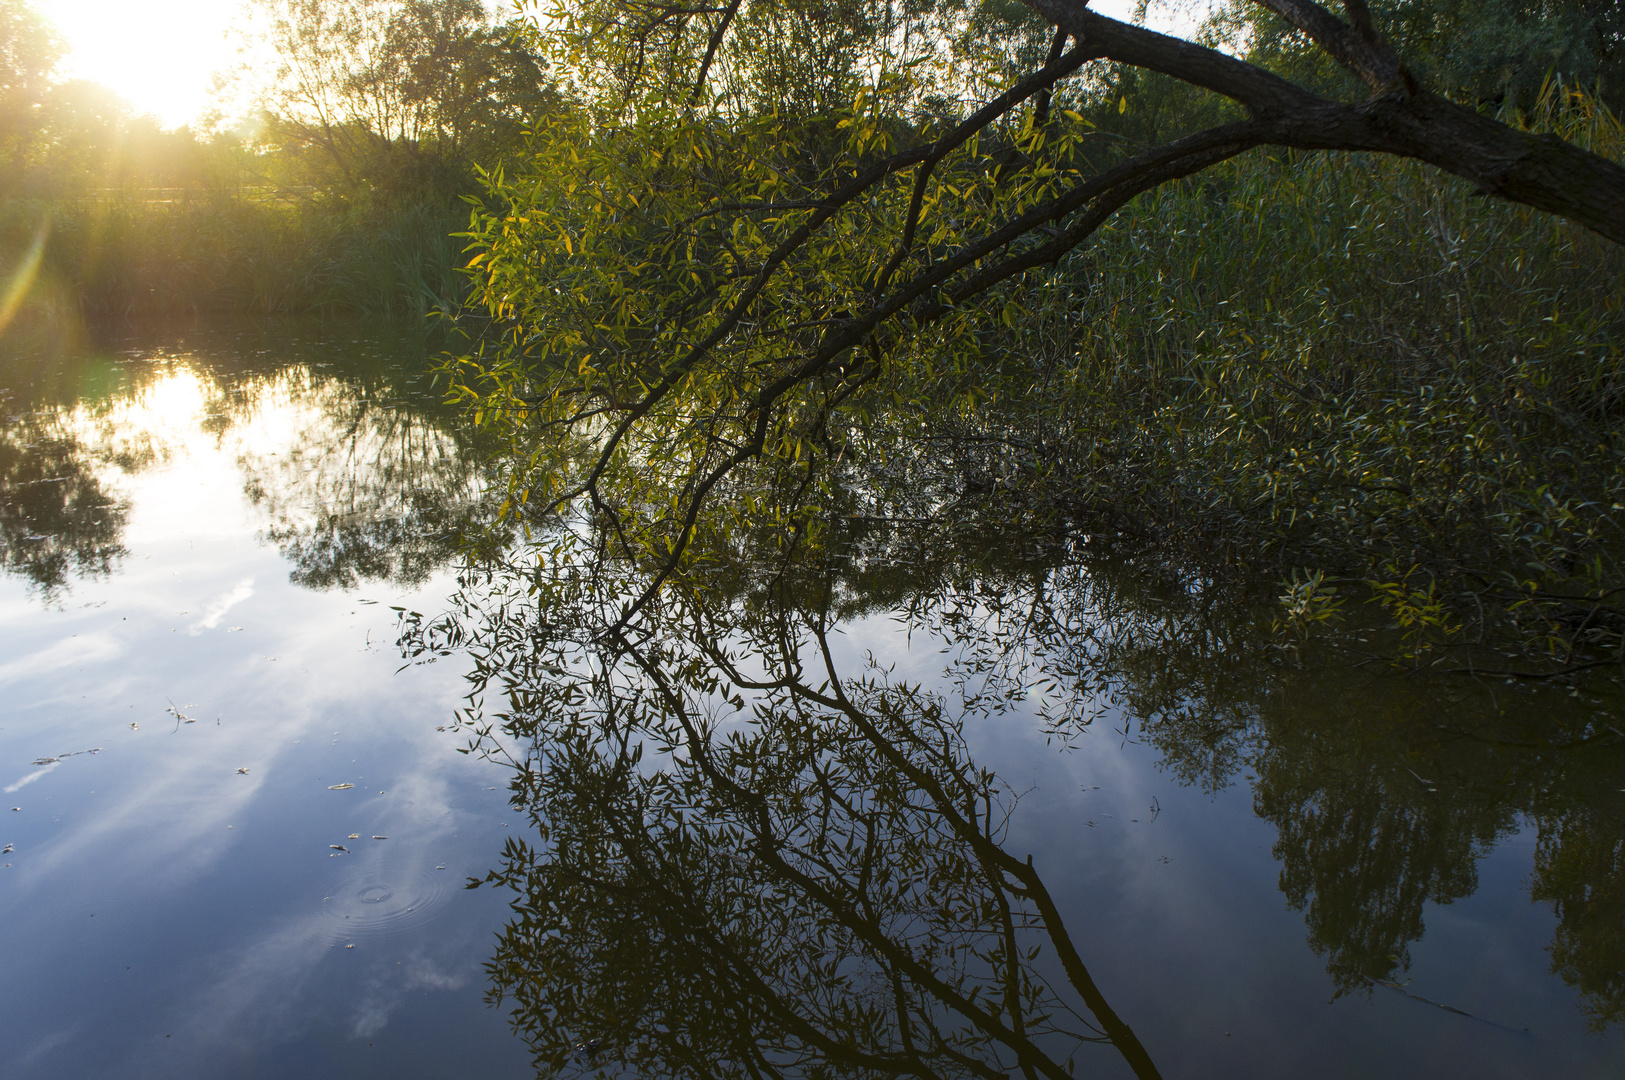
(380,95)
(760,237)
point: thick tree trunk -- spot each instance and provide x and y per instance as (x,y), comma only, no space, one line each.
(1399,117)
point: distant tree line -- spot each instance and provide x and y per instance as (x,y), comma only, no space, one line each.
(337,187)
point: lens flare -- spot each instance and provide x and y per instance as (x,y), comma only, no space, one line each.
(23,278)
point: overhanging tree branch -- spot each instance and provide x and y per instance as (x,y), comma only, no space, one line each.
(775,319)
(1399,118)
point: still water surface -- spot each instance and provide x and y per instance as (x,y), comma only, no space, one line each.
(238,824)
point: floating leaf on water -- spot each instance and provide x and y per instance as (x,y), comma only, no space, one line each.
(242,772)
(339,787)
(440,868)
(5,850)
(353,836)
(338,847)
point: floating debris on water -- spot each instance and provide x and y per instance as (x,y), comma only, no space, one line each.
(349,946)
(134,726)
(339,847)
(380,838)
(69,754)
(5,850)
(440,868)
(242,772)
(340,787)
(353,836)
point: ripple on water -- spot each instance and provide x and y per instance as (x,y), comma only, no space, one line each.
(383,902)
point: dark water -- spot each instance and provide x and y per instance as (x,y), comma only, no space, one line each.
(1263,862)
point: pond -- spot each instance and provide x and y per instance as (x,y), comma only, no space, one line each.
(939,802)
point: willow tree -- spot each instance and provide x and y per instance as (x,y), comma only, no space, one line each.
(762,224)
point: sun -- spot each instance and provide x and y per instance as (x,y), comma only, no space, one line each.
(159,55)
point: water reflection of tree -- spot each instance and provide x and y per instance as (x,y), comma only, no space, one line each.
(1580,871)
(1385,789)
(57,520)
(374,489)
(750,863)
(378,485)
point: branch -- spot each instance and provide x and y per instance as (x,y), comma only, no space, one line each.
(711,48)
(1541,171)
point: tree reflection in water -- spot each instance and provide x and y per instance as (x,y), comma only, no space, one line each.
(57,520)
(377,486)
(748,862)
(360,473)
(1386,787)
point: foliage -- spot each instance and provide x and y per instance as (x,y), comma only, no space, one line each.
(344,200)
(693,282)
(1489,50)
(724,312)
(394,99)
(1360,369)
(120,256)
(29,50)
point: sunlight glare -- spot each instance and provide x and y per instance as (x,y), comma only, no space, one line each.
(159,56)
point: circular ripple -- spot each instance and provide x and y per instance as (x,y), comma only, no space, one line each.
(383,902)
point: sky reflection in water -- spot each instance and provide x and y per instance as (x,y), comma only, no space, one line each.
(221,530)
(203,541)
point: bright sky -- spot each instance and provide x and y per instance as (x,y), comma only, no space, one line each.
(161,54)
(157,54)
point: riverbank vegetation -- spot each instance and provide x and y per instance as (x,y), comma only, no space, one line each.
(771,272)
